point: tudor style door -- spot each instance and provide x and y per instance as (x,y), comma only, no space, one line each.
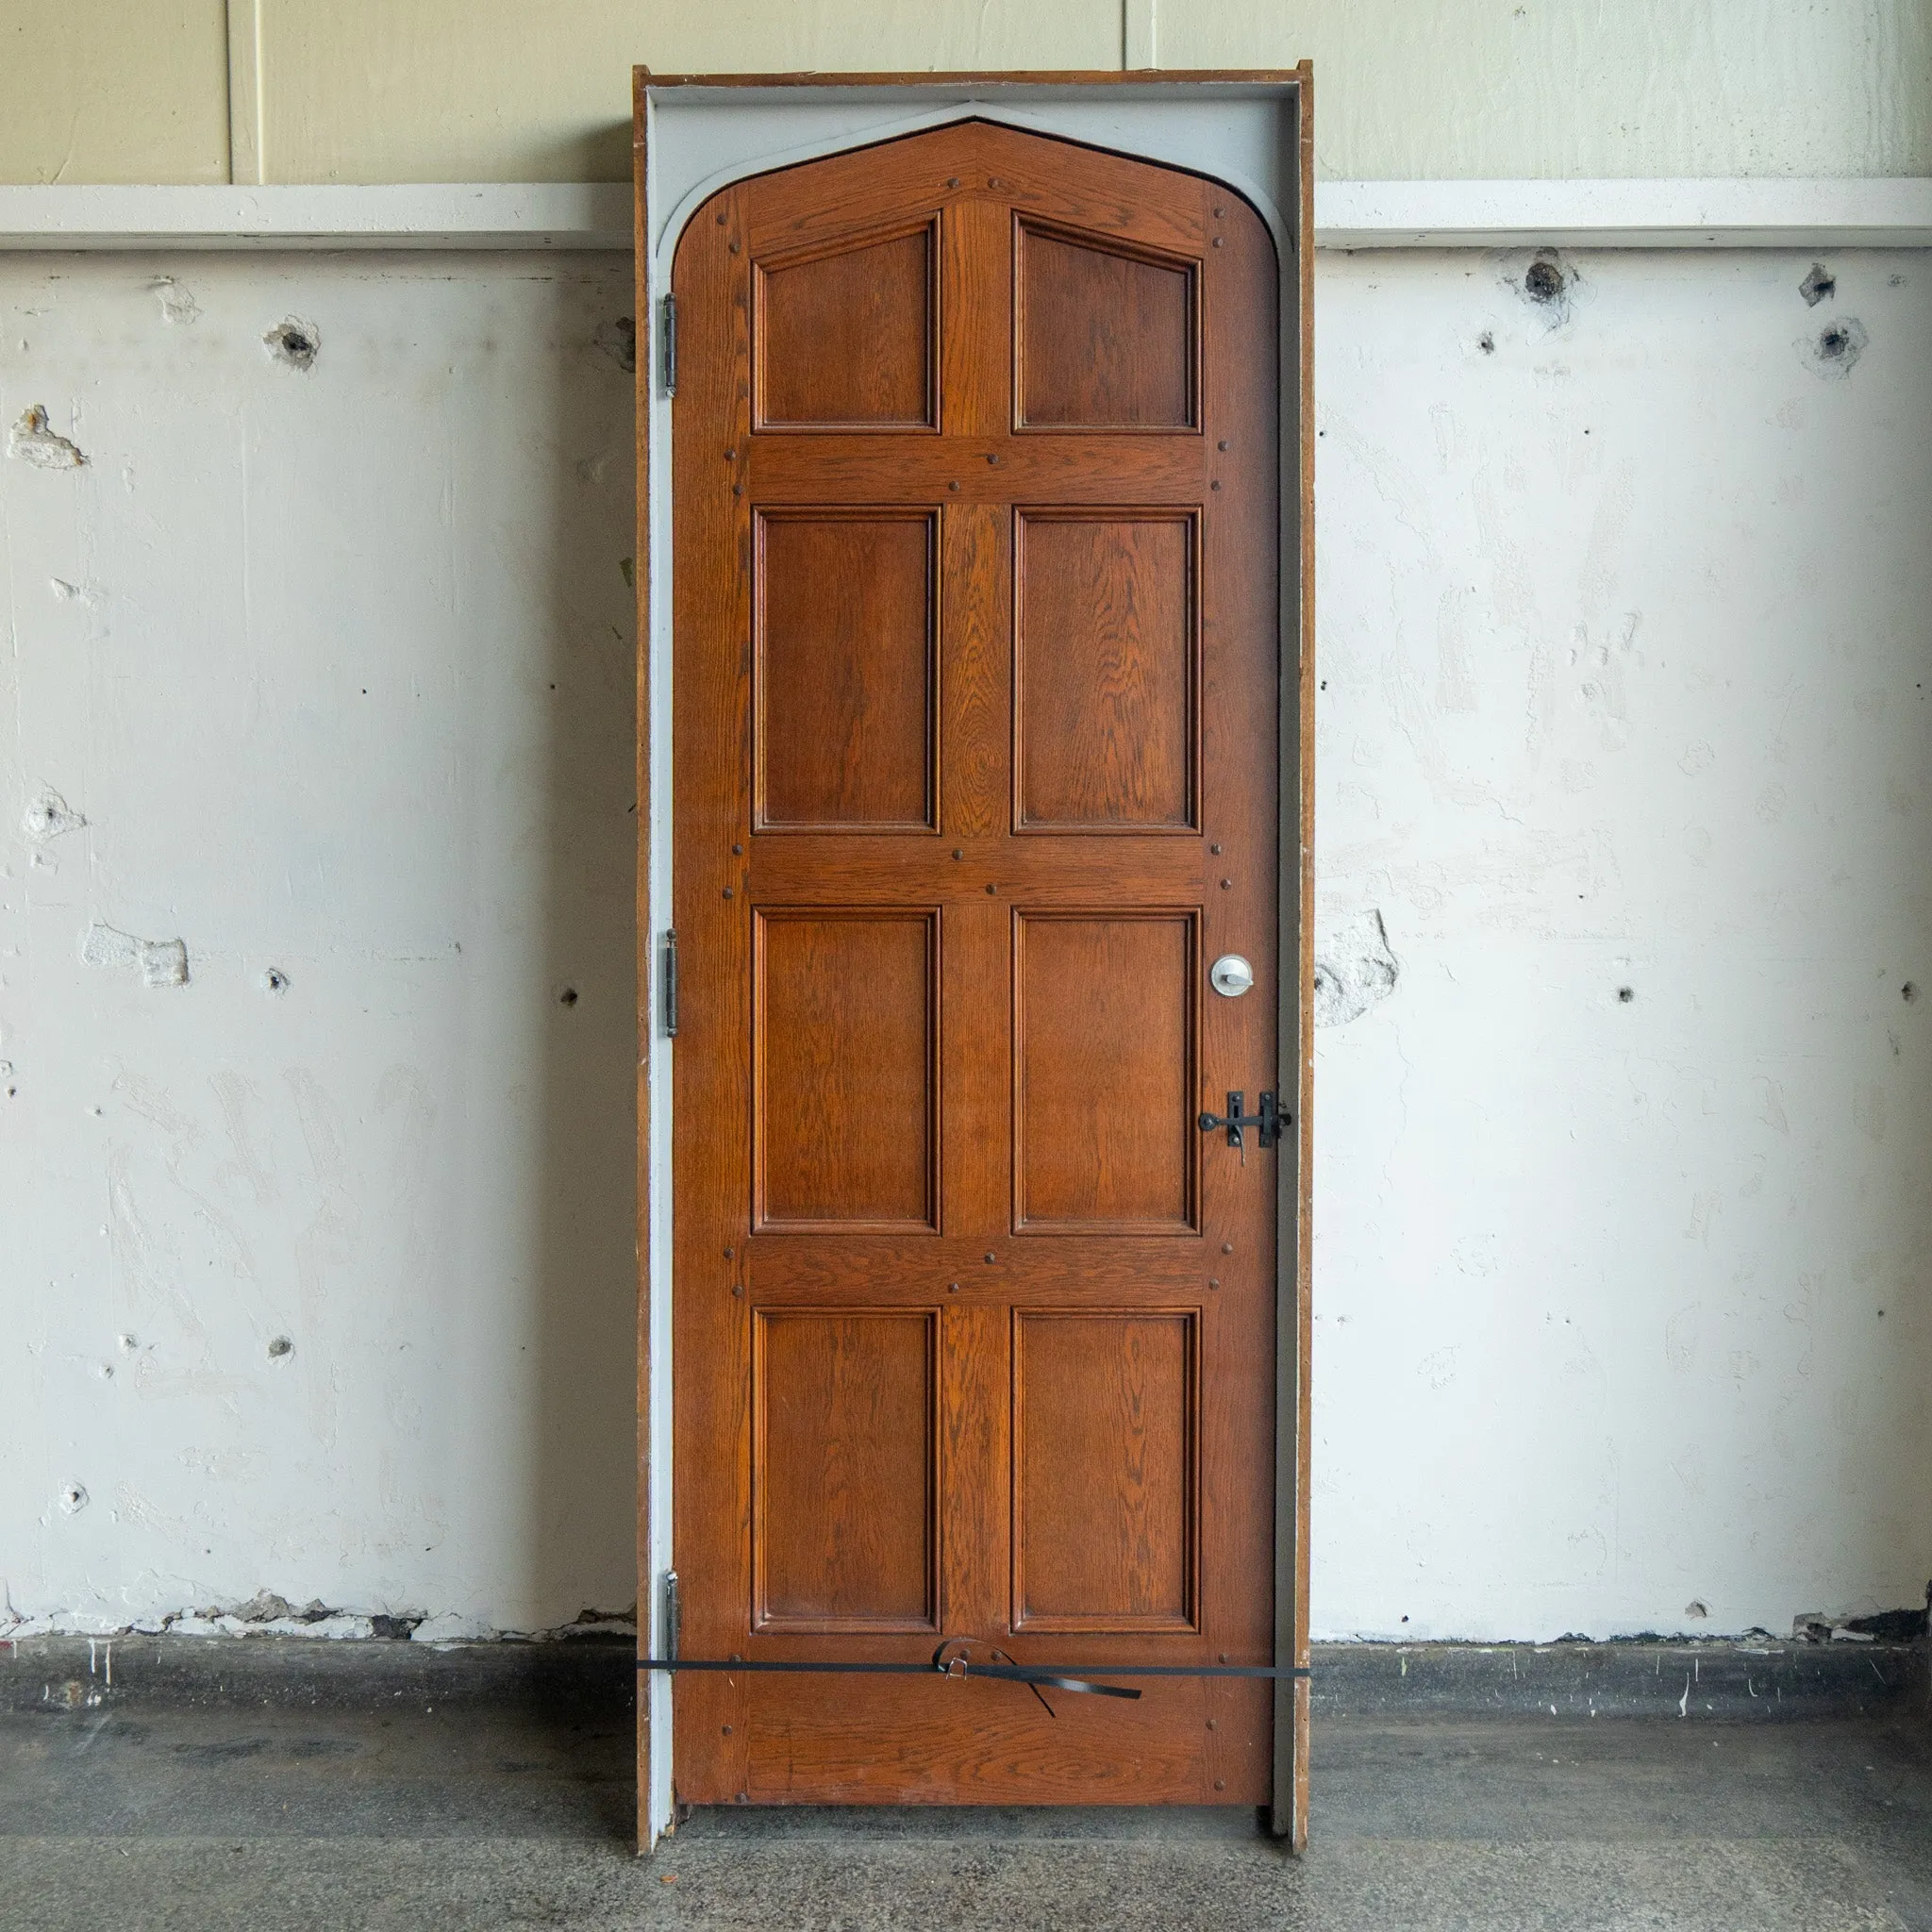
(977,649)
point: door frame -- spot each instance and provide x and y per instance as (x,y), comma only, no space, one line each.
(695,134)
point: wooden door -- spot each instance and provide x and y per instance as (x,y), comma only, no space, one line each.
(976,655)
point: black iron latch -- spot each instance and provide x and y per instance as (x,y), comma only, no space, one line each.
(1270,1121)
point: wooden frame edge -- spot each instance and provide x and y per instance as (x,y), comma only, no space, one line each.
(641,582)
(1288,1813)
(1289,1819)
(1047,76)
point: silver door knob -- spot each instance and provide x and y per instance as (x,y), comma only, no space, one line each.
(1230,975)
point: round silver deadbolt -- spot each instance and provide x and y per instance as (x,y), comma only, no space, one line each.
(1230,975)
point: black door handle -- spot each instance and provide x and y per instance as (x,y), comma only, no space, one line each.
(1270,1121)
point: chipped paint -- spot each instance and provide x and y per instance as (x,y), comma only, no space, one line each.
(33,440)
(1353,969)
(160,963)
(177,300)
(50,817)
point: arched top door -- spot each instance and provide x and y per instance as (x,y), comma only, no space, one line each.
(976,652)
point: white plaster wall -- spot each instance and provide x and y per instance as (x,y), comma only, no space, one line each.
(1626,665)
(1624,628)
(337,665)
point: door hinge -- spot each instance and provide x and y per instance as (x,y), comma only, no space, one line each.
(670,338)
(674,1615)
(671,984)
(1270,1119)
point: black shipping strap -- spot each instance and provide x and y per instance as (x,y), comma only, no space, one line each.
(951,1661)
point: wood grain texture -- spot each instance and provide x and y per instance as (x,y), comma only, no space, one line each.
(845,1473)
(845,1111)
(1107,669)
(1106,336)
(1155,1230)
(1104,1019)
(1106,1504)
(712,1064)
(844,336)
(846,644)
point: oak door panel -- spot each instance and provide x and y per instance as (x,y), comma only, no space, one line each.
(845,336)
(1106,334)
(991,1744)
(846,1123)
(1105,1503)
(1105,1021)
(1106,671)
(976,661)
(846,678)
(845,1473)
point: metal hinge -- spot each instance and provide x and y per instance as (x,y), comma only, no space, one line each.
(671,985)
(674,1615)
(670,334)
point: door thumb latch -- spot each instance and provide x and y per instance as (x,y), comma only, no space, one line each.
(1269,1122)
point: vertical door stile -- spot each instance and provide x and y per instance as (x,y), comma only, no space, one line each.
(975,300)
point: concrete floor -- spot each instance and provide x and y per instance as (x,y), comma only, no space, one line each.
(148,1817)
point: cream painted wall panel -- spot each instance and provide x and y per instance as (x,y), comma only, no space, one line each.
(114,91)
(444,91)
(362,91)
(1522,89)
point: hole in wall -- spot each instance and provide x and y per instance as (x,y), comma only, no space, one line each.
(1544,282)
(1833,352)
(294,344)
(1817,285)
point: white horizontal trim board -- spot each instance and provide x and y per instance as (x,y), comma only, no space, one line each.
(1759,213)
(477,214)
(1763,213)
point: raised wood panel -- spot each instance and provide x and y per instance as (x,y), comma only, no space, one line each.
(845,1118)
(846,1476)
(886,1741)
(1107,670)
(847,679)
(846,335)
(1105,335)
(1104,1469)
(1105,1026)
